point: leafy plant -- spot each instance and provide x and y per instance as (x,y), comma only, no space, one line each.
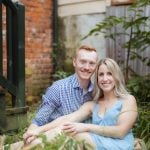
(62,142)
(142,127)
(59,55)
(60,75)
(134,27)
(139,86)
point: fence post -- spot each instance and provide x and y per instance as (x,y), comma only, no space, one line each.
(2,112)
(20,99)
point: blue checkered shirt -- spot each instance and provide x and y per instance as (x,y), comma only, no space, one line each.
(61,98)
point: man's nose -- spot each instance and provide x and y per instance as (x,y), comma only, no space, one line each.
(86,66)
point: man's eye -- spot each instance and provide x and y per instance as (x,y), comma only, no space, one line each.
(92,63)
(82,61)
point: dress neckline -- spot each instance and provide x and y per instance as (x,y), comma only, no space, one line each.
(107,110)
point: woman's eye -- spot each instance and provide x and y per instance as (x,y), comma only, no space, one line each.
(109,73)
(100,74)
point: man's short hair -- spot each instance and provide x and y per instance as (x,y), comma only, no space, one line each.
(84,47)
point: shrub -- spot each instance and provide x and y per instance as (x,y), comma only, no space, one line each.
(63,142)
(142,127)
(139,87)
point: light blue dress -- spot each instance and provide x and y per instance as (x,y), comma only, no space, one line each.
(110,119)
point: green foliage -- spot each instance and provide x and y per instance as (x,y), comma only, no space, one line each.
(15,136)
(142,127)
(135,27)
(140,87)
(62,142)
(59,55)
(60,75)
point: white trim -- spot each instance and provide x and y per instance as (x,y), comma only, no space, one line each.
(82,8)
(67,2)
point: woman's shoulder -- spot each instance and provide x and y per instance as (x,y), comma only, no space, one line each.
(129,98)
(129,101)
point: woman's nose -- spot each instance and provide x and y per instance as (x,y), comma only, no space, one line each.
(105,77)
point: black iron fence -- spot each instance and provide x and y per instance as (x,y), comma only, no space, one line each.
(14,80)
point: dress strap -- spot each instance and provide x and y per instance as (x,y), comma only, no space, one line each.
(96,107)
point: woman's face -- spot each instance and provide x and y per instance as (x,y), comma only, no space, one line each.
(105,79)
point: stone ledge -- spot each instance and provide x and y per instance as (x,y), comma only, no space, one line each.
(14,119)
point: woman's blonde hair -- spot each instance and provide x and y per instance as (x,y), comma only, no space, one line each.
(113,67)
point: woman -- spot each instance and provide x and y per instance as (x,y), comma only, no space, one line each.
(113,111)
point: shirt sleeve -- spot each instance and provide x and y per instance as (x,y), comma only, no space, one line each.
(50,101)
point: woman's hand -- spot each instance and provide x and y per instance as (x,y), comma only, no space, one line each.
(74,128)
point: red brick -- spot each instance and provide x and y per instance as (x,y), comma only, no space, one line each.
(38,45)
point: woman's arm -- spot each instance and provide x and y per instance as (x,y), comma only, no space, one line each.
(83,113)
(126,120)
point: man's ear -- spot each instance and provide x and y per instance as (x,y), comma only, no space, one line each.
(74,62)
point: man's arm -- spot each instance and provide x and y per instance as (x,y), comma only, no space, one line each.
(49,103)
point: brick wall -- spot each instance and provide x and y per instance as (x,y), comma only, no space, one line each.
(38,46)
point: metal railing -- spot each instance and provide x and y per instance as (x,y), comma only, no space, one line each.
(14,83)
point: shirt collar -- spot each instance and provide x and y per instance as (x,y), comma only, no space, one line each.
(76,84)
(75,81)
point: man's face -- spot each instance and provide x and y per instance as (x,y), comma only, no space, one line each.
(85,64)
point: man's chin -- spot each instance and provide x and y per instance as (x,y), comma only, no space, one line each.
(85,77)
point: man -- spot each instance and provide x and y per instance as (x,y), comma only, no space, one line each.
(67,95)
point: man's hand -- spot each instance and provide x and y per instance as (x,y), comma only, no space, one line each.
(31,134)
